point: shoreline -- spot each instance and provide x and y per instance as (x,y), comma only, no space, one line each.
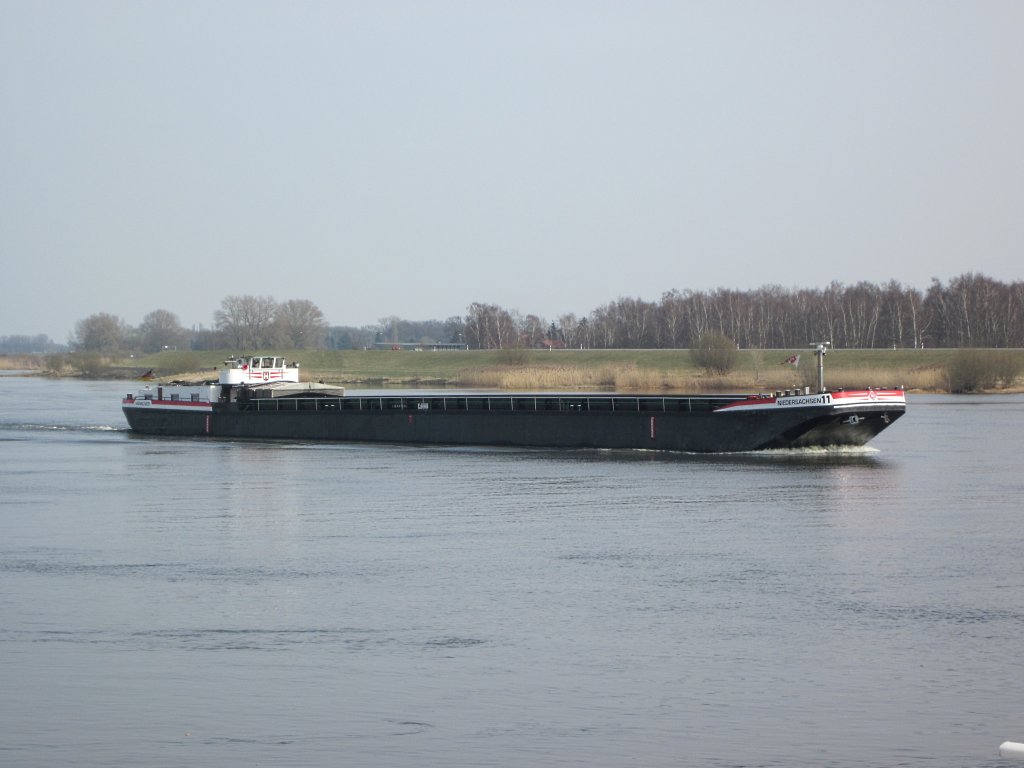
(722,386)
(665,371)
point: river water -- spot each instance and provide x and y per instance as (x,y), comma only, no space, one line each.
(189,602)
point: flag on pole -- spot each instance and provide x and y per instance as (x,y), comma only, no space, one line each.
(793,360)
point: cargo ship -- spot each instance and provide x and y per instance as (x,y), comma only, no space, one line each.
(262,397)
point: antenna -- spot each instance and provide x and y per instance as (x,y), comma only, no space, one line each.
(820,350)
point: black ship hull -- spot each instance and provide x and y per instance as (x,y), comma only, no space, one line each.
(689,424)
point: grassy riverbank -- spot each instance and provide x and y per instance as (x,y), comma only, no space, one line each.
(650,370)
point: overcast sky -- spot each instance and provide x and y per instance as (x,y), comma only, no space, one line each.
(411,158)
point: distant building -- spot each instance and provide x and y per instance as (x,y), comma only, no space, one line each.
(400,346)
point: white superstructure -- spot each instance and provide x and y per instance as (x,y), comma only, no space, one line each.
(271,374)
(258,370)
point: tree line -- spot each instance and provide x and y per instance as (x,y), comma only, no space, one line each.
(241,322)
(970,310)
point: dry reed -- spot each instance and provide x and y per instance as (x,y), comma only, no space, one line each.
(563,377)
(630,377)
(640,379)
(867,376)
(21,363)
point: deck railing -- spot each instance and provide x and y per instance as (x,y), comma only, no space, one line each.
(497,403)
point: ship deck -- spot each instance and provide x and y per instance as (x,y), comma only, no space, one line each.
(503,402)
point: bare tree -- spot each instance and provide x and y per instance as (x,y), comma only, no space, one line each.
(532,331)
(101,332)
(488,326)
(159,329)
(1015,314)
(936,317)
(246,321)
(603,326)
(635,323)
(674,332)
(572,329)
(299,324)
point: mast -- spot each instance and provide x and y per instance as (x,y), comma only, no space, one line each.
(820,349)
